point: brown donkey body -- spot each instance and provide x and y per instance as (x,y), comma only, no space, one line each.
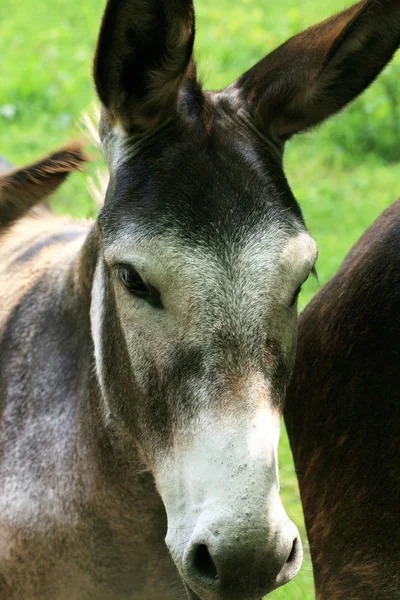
(145,357)
(343,419)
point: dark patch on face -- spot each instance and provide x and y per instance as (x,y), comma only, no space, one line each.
(209,185)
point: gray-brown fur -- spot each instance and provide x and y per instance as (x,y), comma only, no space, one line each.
(80,517)
(23,189)
(343,419)
(109,392)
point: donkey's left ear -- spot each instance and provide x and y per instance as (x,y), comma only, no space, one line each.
(142,56)
(317,72)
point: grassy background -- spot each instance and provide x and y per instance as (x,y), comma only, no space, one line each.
(344,174)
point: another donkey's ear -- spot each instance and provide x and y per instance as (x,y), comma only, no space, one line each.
(142,56)
(317,72)
(22,189)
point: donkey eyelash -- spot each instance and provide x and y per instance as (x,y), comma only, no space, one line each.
(313,273)
(295,297)
(138,287)
(124,271)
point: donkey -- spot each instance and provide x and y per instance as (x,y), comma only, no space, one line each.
(145,357)
(343,419)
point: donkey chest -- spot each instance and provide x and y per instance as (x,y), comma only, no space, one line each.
(109,546)
(61,568)
(83,554)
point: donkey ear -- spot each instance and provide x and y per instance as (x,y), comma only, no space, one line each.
(22,189)
(317,72)
(142,56)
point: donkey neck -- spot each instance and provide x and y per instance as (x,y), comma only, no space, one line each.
(77,488)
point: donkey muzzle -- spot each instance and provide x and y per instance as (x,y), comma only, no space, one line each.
(221,562)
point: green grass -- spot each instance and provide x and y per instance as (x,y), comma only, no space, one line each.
(344,174)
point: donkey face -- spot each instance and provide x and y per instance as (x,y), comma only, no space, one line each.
(203,251)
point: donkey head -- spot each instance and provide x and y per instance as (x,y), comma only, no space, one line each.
(203,252)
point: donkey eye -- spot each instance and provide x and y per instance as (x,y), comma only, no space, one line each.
(135,284)
(132,281)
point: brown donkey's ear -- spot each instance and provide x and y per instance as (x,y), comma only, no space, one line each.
(142,56)
(22,189)
(317,72)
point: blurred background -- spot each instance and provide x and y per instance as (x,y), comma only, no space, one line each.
(343,174)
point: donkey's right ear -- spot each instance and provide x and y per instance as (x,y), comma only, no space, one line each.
(142,57)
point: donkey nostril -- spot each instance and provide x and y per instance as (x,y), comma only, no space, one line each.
(203,563)
(293,553)
(292,564)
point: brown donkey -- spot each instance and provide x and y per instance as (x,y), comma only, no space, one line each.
(145,358)
(343,419)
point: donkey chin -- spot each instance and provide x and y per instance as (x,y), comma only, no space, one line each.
(228,532)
